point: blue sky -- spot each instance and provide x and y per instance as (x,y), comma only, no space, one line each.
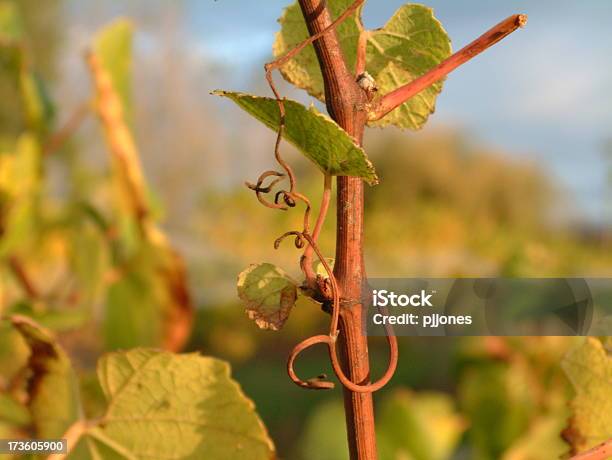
(542,93)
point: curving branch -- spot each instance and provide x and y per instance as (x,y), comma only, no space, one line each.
(75,120)
(23,278)
(601,452)
(397,97)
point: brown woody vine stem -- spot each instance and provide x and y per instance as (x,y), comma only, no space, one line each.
(343,96)
(345,102)
(601,452)
(397,97)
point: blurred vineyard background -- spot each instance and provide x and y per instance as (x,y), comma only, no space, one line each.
(449,204)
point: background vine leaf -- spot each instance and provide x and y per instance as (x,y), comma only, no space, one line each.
(493,389)
(431,420)
(113,45)
(20,186)
(316,135)
(162,405)
(410,43)
(11,24)
(589,368)
(269,295)
(158,404)
(52,386)
(410,425)
(152,276)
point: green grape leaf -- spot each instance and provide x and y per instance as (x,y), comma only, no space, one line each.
(110,63)
(113,45)
(20,182)
(14,353)
(162,405)
(11,37)
(430,418)
(589,369)
(149,304)
(489,390)
(541,440)
(132,316)
(319,268)
(53,318)
(158,405)
(316,135)
(268,293)
(303,70)
(90,256)
(52,386)
(410,426)
(324,433)
(411,43)
(38,107)
(11,24)
(14,420)
(13,412)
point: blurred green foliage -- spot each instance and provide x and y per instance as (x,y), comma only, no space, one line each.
(446,206)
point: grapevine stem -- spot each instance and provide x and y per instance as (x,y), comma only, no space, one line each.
(397,97)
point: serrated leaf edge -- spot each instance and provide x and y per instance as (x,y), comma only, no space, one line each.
(373,180)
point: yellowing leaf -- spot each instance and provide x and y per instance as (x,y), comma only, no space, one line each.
(14,353)
(150,305)
(419,426)
(303,70)
(162,405)
(37,104)
(268,293)
(541,441)
(589,368)
(154,297)
(324,433)
(20,182)
(113,46)
(11,25)
(498,400)
(127,170)
(411,43)
(52,386)
(158,405)
(12,412)
(316,135)
(319,268)
(410,426)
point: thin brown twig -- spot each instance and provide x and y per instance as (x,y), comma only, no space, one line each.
(23,278)
(57,140)
(601,452)
(362,44)
(397,97)
(324,207)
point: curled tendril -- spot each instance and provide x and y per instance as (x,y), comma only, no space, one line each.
(331,339)
(285,199)
(260,189)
